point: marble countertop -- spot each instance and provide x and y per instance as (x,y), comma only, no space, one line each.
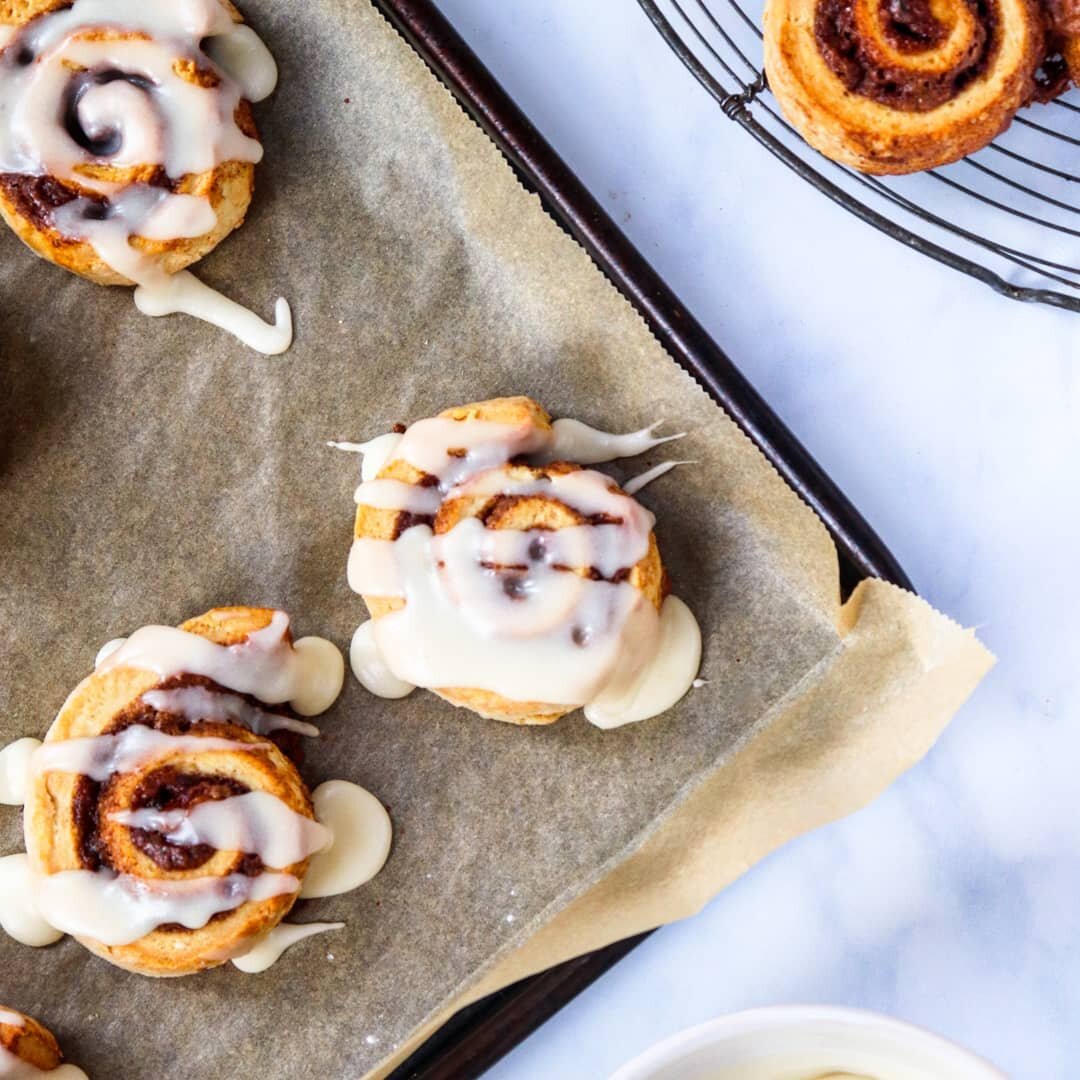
(949,415)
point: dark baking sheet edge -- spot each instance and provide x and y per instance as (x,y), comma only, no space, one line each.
(482,1033)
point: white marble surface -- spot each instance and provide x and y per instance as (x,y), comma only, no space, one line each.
(949,415)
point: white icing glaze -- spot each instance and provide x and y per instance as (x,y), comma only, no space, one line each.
(322,675)
(266,665)
(284,935)
(362,835)
(185,294)
(101,756)
(196,703)
(435,640)
(632,487)
(126,95)
(376,452)
(397,495)
(371,669)
(15,770)
(19,915)
(584,445)
(500,609)
(107,650)
(257,823)
(117,909)
(373,568)
(12,1019)
(662,681)
(243,55)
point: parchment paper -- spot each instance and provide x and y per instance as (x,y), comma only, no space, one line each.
(152,469)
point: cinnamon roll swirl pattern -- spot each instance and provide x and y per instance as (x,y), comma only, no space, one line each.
(895,86)
(167,824)
(509,579)
(29,1049)
(128,147)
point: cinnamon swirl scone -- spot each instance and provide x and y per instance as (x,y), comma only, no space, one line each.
(890,87)
(507,578)
(1064,37)
(128,146)
(28,1048)
(167,825)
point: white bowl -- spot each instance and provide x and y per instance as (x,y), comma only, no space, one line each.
(804,1042)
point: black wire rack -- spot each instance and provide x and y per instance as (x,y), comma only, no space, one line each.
(1007,215)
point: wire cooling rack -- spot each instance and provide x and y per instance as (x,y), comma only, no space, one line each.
(1007,215)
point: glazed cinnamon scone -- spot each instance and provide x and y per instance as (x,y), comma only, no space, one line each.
(28,1048)
(509,579)
(128,146)
(167,825)
(895,88)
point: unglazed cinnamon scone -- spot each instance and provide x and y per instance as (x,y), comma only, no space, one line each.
(511,580)
(167,826)
(127,143)
(1063,17)
(28,1048)
(895,88)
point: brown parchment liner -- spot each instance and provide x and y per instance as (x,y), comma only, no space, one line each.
(152,469)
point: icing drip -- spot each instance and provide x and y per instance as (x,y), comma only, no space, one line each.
(662,680)
(19,915)
(538,614)
(143,93)
(371,669)
(584,445)
(377,452)
(256,823)
(321,675)
(197,703)
(15,770)
(282,937)
(117,909)
(11,1019)
(101,756)
(308,674)
(184,294)
(632,487)
(107,650)
(362,835)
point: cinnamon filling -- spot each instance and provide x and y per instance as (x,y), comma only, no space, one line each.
(169,789)
(36,198)
(910,27)
(406,519)
(138,712)
(1063,16)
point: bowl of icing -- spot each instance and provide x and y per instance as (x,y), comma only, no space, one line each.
(797,1042)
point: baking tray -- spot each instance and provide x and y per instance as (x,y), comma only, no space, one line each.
(482,1033)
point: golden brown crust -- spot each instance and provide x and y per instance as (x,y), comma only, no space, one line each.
(26,207)
(875,136)
(30,1041)
(499,512)
(54,816)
